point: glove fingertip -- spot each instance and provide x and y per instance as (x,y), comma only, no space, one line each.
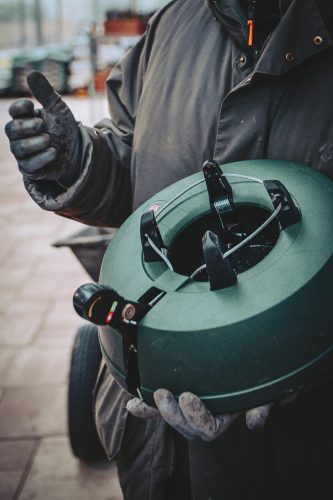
(21,108)
(256,418)
(8,128)
(187,397)
(162,395)
(132,403)
(140,409)
(42,89)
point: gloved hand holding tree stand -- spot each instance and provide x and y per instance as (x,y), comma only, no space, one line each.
(191,418)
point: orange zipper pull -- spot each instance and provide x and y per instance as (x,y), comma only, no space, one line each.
(251,31)
(250,22)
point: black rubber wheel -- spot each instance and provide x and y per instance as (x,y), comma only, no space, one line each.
(84,366)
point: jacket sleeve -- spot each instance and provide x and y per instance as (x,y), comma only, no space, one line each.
(102,194)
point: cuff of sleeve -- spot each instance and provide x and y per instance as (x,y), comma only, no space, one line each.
(101,195)
(57,196)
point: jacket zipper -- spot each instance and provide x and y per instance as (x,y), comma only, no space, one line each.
(250,21)
(264,45)
(218,9)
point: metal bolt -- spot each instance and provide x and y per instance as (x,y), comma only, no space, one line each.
(290,57)
(128,312)
(318,40)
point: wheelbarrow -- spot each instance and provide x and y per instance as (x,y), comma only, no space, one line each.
(88,246)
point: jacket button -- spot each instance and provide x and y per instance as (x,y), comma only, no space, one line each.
(318,40)
(290,57)
(242,60)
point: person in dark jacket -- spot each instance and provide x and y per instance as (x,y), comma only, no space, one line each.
(223,79)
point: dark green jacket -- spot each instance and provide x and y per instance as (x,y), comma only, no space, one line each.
(189,91)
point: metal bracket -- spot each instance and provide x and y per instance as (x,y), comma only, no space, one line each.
(149,229)
(219,270)
(289,213)
(220,193)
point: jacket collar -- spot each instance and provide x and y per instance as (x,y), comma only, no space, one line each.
(284,6)
(302,22)
(301,34)
(237,8)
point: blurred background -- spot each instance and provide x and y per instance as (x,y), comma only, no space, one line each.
(67,39)
(75,43)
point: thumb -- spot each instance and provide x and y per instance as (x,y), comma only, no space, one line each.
(42,90)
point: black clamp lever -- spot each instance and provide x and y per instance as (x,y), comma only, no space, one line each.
(149,231)
(102,305)
(219,191)
(219,270)
(279,194)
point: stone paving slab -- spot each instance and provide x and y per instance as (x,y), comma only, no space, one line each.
(13,277)
(33,366)
(14,455)
(55,335)
(14,459)
(19,329)
(65,341)
(56,475)
(33,412)
(61,312)
(21,320)
(9,482)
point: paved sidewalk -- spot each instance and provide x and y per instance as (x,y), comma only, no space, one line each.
(37,325)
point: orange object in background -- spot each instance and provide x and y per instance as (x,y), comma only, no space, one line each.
(124,27)
(100,79)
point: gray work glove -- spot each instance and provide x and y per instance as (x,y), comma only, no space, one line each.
(191,418)
(45,142)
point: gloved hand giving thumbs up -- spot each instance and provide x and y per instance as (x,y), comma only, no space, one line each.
(45,142)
